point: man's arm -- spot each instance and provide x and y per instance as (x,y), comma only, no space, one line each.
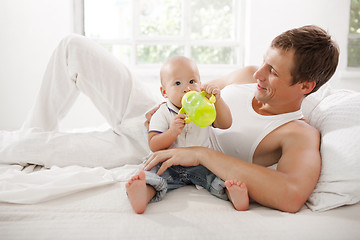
(240,76)
(286,188)
(297,173)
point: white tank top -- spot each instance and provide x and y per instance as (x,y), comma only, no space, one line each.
(248,127)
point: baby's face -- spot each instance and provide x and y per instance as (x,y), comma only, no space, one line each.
(179,81)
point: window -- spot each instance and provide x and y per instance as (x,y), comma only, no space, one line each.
(147,32)
(354,35)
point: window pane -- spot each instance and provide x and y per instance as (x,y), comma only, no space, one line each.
(157,53)
(354,38)
(354,53)
(160,17)
(107,18)
(136,31)
(355,17)
(213,55)
(122,52)
(212,19)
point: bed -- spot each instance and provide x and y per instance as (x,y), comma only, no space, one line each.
(75,202)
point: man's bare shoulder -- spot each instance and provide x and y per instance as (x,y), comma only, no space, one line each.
(300,126)
(292,135)
(290,138)
(298,134)
(300,152)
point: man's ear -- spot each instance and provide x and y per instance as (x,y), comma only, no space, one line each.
(307,87)
(163,92)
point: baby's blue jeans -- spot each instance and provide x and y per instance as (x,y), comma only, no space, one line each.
(178,176)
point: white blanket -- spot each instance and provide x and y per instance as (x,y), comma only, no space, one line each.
(186,213)
(26,186)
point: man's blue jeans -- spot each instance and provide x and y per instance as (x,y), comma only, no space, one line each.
(179,176)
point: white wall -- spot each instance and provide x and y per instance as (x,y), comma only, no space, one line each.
(30,30)
(268,18)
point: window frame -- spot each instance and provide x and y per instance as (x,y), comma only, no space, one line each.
(351,36)
(350,73)
(207,70)
(351,68)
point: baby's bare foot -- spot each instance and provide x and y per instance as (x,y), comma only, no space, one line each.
(238,194)
(137,192)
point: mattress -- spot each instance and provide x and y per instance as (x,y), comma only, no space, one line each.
(103,212)
(74,202)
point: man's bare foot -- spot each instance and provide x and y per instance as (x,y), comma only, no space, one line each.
(238,194)
(136,190)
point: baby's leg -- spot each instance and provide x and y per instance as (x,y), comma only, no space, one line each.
(139,192)
(238,194)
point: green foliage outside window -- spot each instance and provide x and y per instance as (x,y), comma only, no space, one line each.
(209,20)
(354,37)
(157,53)
(213,55)
(212,19)
(160,17)
(164,28)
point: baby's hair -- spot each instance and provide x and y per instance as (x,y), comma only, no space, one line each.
(166,67)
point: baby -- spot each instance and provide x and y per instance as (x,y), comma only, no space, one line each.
(167,129)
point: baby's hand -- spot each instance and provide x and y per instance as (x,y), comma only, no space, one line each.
(212,89)
(178,124)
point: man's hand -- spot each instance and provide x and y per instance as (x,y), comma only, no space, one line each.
(186,157)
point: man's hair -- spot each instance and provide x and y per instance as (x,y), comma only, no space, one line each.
(316,55)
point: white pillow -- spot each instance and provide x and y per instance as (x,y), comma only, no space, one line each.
(336,113)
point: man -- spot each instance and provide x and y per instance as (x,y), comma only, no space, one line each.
(297,63)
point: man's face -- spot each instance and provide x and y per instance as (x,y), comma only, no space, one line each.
(274,79)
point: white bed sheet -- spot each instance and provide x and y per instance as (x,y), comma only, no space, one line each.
(103,212)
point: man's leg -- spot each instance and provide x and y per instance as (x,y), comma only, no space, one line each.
(88,149)
(80,65)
